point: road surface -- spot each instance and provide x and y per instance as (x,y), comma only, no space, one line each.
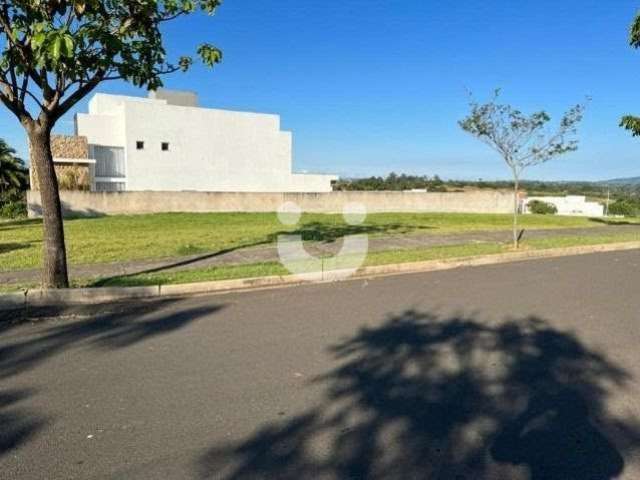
(517,371)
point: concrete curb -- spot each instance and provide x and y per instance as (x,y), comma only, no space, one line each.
(83,296)
(80,296)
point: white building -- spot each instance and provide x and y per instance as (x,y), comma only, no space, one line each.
(575,205)
(167,143)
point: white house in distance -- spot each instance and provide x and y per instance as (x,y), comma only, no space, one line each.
(168,143)
(574,205)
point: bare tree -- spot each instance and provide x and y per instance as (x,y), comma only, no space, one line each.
(520,139)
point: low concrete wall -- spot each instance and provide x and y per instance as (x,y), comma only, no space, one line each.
(111,203)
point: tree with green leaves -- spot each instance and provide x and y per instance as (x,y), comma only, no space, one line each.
(632,122)
(55,52)
(521,140)
(13,173)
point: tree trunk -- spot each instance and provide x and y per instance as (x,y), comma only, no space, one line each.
(54,254)
(516,204)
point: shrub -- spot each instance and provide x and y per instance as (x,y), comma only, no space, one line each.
(13,210)
(13,204)
(625,208)
(542,208)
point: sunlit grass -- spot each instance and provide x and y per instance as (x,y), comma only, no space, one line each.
(374,258)
(123,238)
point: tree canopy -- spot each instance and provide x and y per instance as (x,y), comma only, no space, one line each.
(392,181)
(632,122)
(54,52)
(521,139)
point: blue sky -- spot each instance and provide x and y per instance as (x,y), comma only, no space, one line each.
(373,86)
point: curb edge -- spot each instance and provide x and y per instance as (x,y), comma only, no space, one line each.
(23,300)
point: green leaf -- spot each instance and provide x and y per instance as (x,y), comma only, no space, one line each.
(67,45)
(106,38)
(55,47)
(631,123)
(38,39)
(209,54)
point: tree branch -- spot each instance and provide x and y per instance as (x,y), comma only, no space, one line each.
(76,96)
(18,110)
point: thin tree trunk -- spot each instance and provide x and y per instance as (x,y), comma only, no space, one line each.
(54,258)
(516,205)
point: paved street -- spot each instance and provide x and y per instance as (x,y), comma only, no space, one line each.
(521,371)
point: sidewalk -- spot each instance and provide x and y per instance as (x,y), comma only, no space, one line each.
(250,255)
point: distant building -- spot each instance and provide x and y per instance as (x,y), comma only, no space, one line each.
(168,143)
(575,205)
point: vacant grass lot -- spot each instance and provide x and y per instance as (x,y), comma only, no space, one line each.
(373,258)
(140,237)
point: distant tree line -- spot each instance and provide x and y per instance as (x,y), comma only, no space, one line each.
(393,181)
(625,198)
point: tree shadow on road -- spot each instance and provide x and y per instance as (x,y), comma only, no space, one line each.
(116,327)
(18,424)
(449,399)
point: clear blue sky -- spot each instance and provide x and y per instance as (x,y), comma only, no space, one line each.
(373,86)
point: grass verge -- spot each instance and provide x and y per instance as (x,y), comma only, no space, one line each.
(373,258)
(124,238)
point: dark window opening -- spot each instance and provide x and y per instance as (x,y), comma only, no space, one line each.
(165,146)
(139,145)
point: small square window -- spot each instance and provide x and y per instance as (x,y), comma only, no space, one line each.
(165,146)
(139,145)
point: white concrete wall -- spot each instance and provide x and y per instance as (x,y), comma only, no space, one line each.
(102,103)
(94,203)
(107,130)
(308,182)
(209,149)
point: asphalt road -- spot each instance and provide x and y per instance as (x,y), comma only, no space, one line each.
(521,371)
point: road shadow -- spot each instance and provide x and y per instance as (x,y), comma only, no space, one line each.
(448,399)
(108,328)
(555,438)
(18,423)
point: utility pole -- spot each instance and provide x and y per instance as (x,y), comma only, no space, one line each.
(606,210)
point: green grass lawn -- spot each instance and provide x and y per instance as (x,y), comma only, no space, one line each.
(124,238)
(373,258)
